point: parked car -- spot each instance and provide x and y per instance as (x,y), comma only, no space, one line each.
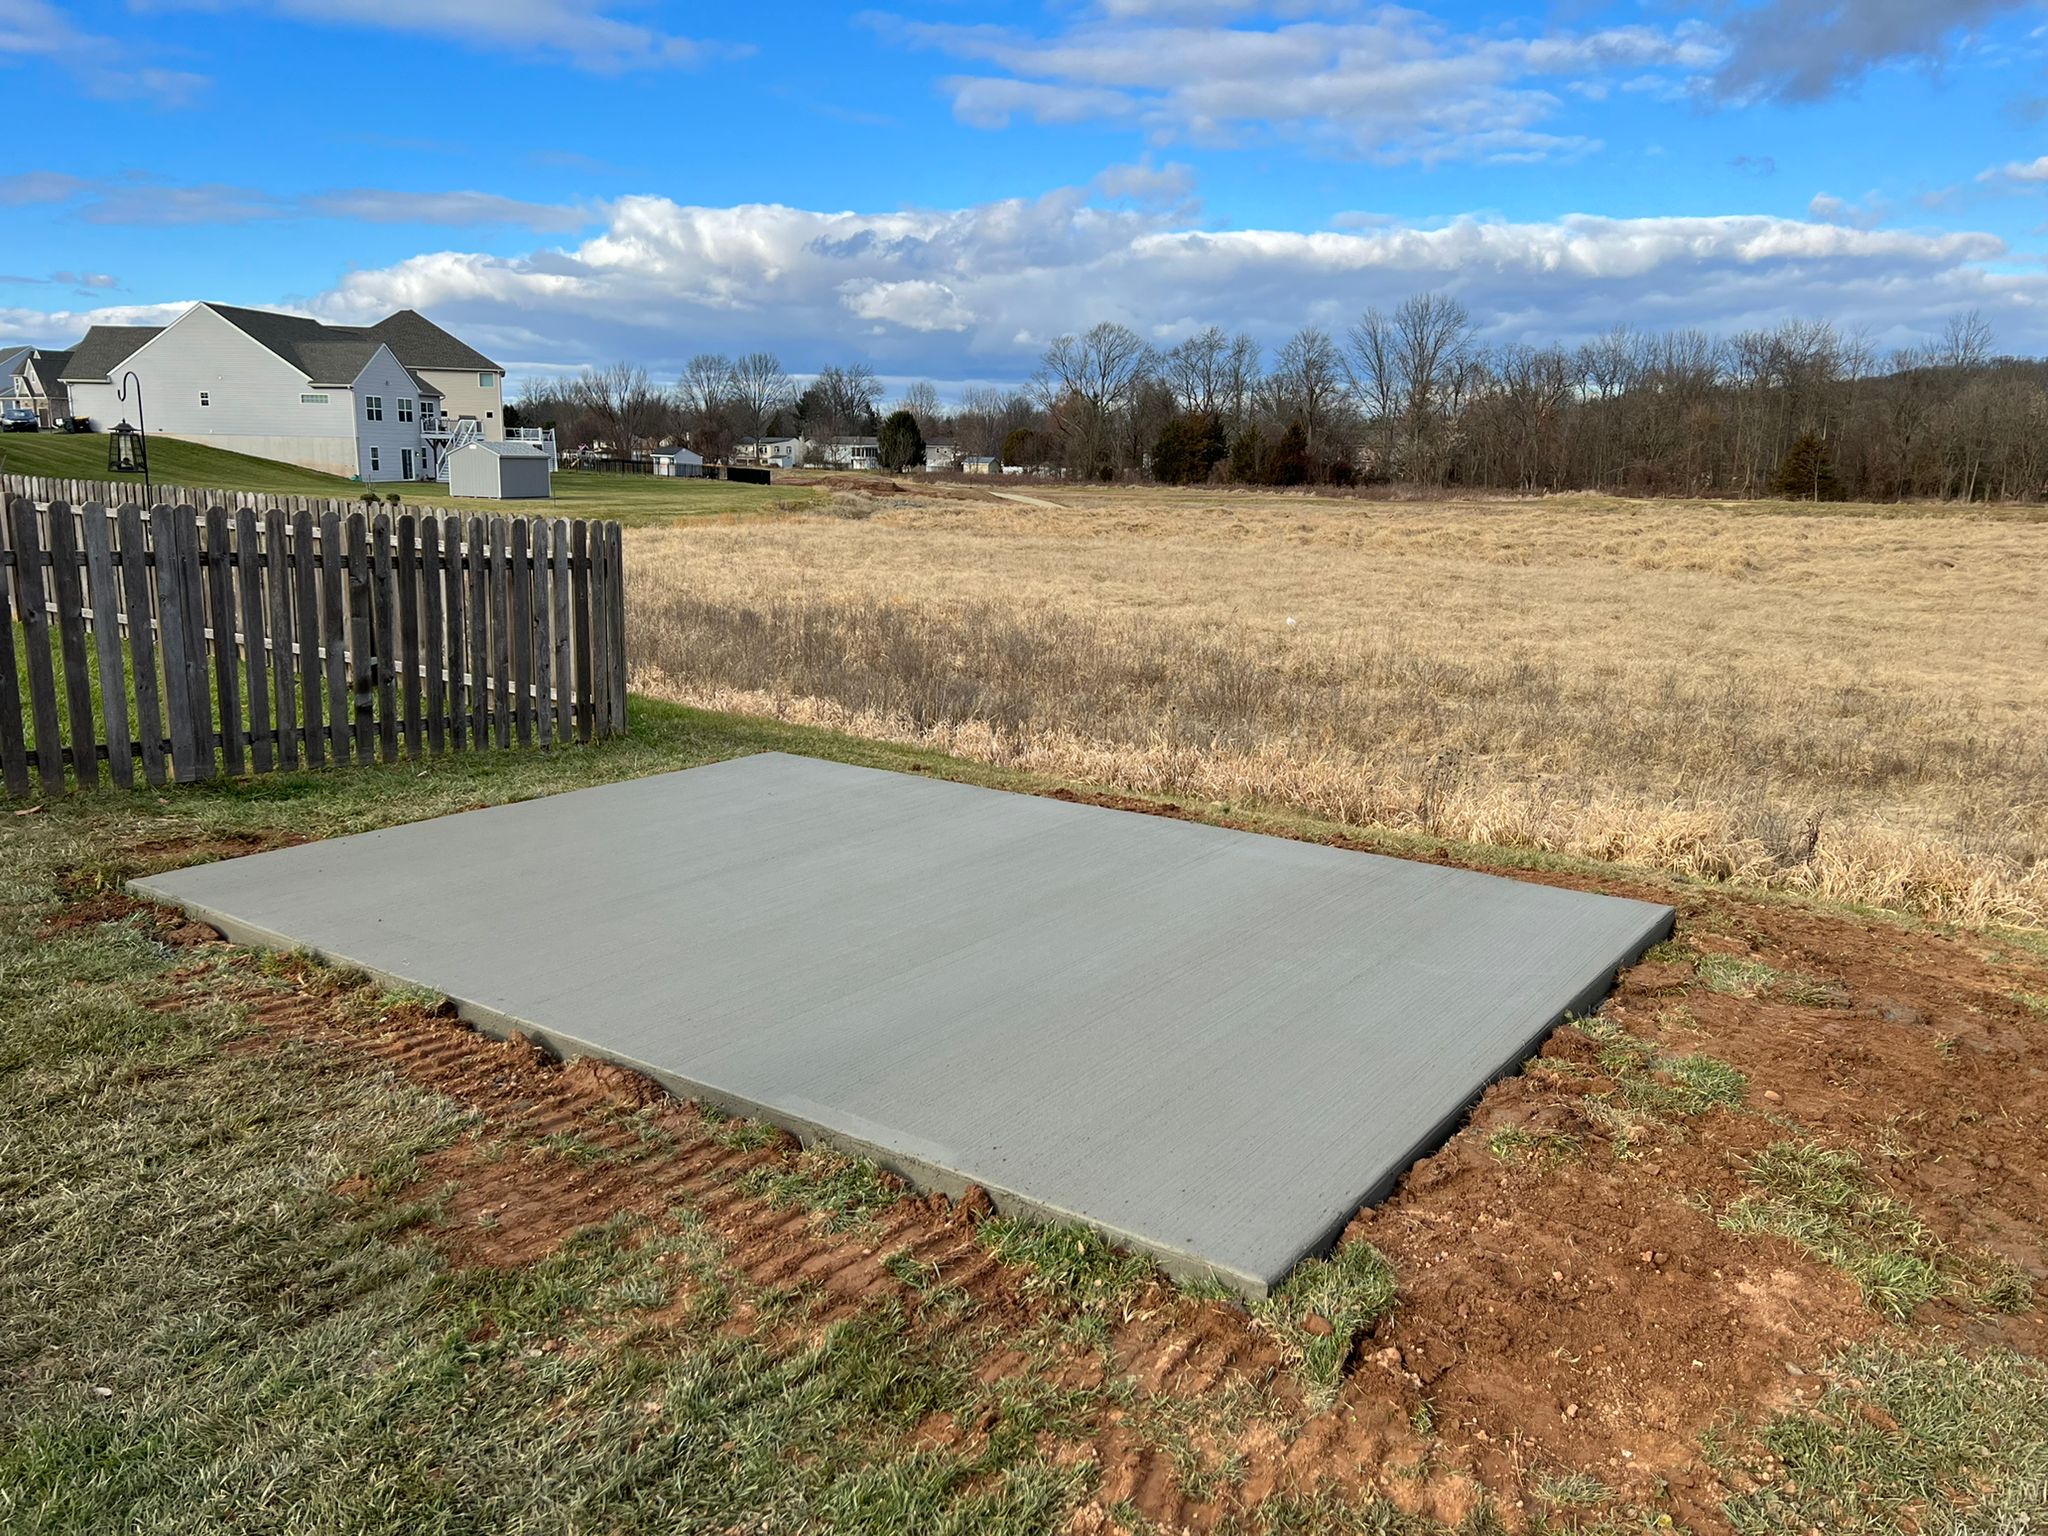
(17,418)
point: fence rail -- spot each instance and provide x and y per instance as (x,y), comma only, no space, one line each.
(206,636)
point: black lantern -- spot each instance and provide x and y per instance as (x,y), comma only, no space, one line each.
(127,451)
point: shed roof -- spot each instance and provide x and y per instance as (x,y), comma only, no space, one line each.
(510,449)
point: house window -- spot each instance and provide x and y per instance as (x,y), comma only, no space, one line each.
(405,463)
(374,465)
(373,407)
(204,398)
(404,409)
(486,380)
(312,399)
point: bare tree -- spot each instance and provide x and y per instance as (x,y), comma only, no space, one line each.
(1195,371)
(760,391)
(1087,384)
(1375,379)
(629,411)
(922,401)
(841,402)
(1308,383)
(1965,341)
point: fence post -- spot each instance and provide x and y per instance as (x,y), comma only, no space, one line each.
(142,649)
(13,729)
(35,631)
(105,597)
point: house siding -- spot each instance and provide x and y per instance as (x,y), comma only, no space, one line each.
(253,397)
(461,395)
(385,379)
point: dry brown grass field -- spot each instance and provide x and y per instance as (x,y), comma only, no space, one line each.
(1849,701)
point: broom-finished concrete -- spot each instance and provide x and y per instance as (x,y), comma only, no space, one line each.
(1211,1045)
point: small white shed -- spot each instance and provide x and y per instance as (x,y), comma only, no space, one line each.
(678,461)
(505,471)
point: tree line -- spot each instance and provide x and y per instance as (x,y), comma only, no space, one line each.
(1411,395)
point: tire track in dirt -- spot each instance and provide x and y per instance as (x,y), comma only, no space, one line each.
(1587,1315)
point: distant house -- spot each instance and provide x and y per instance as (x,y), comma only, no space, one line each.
(679,462)
(776,452)
(941,455)
(504,470)
(978,464)
(31,379)
(850,452)
(370,402)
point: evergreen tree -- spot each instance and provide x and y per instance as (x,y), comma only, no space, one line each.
(900,443)
(1288,464)
(1808,473)
(1246,455)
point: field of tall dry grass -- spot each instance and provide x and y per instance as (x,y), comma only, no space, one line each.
(1851,702)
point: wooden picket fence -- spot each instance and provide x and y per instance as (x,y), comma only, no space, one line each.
(192,639)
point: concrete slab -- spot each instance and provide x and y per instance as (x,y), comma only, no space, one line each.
(1211,1045)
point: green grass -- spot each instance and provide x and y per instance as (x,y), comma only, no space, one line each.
(1746,977)
(1075,1265)
(1653,1082)
(636,500)
(202,1335)
(1939,1442)
(1324,1308)
(1824,1200)
(847,1190)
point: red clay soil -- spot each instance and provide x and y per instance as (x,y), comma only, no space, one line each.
(1582,1312)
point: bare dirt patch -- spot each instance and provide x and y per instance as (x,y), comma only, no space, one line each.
(1570,1301)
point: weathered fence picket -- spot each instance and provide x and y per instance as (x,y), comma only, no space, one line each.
(216,634)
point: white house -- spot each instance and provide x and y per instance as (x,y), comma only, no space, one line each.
(943,454)
(348,400)
(778,452)
(850,453)
(30,381)
(468,383)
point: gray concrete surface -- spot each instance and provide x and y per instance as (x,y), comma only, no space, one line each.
(1211,1045)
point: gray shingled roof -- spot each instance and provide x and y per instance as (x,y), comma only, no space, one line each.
(420,343)
(325,354)
(105,348)
(50,370)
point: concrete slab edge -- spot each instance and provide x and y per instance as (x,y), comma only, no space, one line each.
(1178,1263)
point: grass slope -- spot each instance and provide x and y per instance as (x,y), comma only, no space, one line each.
(636,500)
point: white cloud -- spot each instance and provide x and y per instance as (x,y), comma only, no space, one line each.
(455,209)
(1830,209)
(2025,172)
(1803,50)
(1171,185)
(916,305)
(975,292)
(1387,84)
(106,68)
(139,200)
(582,33)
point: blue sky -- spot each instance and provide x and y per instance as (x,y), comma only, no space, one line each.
(939,188)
